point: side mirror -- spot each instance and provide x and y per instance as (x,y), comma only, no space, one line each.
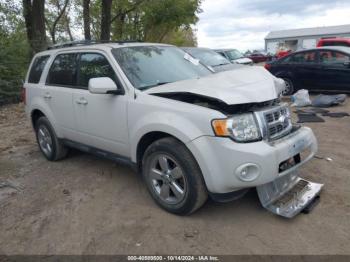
(104,85)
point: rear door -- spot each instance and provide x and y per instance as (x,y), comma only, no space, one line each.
(101,118)
(60,81)
(335,75)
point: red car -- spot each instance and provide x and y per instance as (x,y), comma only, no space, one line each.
(259,57)
(334,42)
(283,53)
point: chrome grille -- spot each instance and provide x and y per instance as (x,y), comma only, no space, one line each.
(275,122)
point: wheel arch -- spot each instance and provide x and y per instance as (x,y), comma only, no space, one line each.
(38,110)
(146,140)
(285,74)
(35,115)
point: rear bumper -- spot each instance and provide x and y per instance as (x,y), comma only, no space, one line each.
(220,159)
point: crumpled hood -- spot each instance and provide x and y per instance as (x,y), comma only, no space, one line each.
(251,84)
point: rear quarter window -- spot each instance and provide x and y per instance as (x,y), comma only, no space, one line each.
(37,69)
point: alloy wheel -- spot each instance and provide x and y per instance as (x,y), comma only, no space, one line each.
(289,88)
(167,179)
(45,140)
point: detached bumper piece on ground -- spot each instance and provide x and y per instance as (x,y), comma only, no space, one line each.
(289,195)
(336,114)
(309,118)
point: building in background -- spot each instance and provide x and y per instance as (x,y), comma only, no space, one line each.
(297,39)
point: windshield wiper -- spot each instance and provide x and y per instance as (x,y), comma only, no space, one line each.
(150,86)
(220,64)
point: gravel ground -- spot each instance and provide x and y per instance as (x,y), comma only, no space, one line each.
(88,205)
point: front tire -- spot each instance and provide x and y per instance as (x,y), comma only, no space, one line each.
(173,177)
(289,90)
(49,144)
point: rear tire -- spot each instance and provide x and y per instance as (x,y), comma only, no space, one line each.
(49,144)
(173,177)
(289,90)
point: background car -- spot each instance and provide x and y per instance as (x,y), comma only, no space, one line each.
(283,53)
(259,57)
(210,58)
(320,69)
(334,42)
(234,56)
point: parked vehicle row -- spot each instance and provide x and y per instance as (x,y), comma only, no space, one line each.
(230,55)
(319,69)
(259,57)
(211,59)
(190,132)
(234,56)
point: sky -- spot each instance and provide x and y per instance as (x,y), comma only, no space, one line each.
(243,24)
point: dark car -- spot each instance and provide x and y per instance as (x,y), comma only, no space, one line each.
(320,69)
(210,58)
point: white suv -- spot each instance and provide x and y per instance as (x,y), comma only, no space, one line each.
(189,131)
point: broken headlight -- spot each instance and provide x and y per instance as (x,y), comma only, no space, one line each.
(241,128)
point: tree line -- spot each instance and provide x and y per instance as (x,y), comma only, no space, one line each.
(30,26)
(104,20)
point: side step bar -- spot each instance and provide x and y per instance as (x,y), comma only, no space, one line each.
(287,196)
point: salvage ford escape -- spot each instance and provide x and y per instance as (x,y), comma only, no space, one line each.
(190,132)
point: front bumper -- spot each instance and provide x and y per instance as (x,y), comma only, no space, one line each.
(288,195)
(220,158)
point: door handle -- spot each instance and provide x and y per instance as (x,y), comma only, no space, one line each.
(47,96)
(81,101)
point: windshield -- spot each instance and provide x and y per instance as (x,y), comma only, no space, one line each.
(234,54)
(208,57)
(149,66)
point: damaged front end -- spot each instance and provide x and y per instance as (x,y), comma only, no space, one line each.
(217,104)
(285,148)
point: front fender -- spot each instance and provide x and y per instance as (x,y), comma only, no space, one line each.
(182,120)
(175,125)
(284,74)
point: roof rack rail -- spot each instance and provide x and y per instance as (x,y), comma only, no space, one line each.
(90,42)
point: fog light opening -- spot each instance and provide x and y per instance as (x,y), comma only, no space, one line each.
(248,172)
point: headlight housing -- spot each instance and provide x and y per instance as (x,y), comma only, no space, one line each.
(241,128)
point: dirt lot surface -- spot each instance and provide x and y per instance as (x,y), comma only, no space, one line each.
(87,205)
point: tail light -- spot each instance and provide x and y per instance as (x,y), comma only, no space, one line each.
(23,95)
(267,66)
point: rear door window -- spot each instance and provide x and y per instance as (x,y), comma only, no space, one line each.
(63,71)
(333,58)
(37,69)
(93,65)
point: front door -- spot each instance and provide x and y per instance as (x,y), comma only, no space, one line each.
(101,118)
